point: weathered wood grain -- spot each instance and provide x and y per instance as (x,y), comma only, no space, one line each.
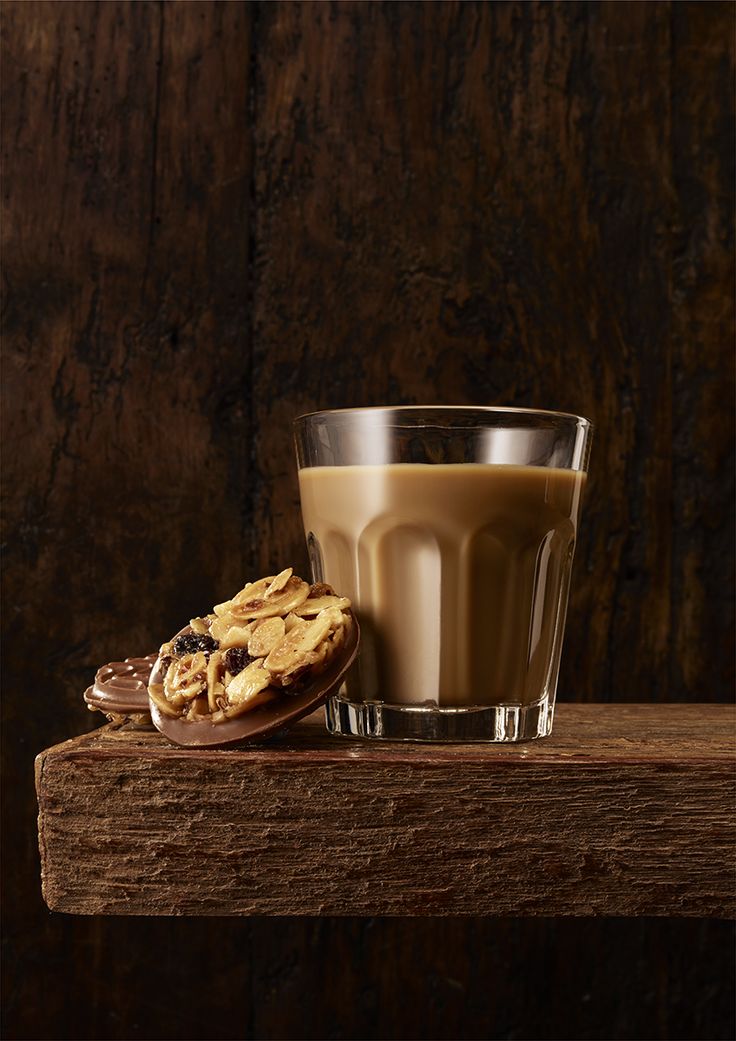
(623,811)
(125,323)
(703,178)
(520,204)
(125,240)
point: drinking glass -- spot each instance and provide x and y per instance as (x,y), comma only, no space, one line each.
(452,530)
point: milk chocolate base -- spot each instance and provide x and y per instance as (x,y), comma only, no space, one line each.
(267,720)
(121,687)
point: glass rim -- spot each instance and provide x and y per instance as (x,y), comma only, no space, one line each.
(483,409)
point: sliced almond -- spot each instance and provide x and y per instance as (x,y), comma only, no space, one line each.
(224,608)
(168,707)
(338,636)
(199,626)
(291,620)
(317,660)
(253,591)
(236,636)
(196,687)
(251,681)
(258,605)
(335,616)
(232,711)
(279,582)
(186,677)
(214,678)
(219,627)
(266,635)
(294,649)
(314,605)
(188,669)
(198,708)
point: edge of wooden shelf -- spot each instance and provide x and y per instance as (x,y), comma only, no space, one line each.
(624,810)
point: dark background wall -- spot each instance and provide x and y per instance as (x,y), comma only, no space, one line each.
(219,215)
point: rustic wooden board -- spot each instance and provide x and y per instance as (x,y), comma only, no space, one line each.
(625,810)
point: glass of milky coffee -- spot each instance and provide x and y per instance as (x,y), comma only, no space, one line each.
(452,530)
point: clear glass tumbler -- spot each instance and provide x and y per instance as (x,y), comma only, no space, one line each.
(452,530)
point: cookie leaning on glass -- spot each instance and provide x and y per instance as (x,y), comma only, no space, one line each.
(256,664)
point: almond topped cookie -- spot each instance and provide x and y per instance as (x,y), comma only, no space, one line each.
(257,662)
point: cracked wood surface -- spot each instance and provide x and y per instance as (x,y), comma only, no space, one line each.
(625,810)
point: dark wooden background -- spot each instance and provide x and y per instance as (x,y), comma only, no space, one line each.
(219,215)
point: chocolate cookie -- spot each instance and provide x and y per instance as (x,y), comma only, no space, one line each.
(120,690)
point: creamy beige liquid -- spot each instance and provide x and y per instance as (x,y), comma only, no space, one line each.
(459,574)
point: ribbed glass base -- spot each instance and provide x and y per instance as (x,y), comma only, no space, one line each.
(428,723)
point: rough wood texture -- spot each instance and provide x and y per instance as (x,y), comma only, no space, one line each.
(476,202)
(625,810)
(126,173)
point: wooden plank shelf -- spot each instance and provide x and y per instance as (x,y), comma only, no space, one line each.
(624,810)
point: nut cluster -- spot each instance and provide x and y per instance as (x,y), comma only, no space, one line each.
(270,640)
